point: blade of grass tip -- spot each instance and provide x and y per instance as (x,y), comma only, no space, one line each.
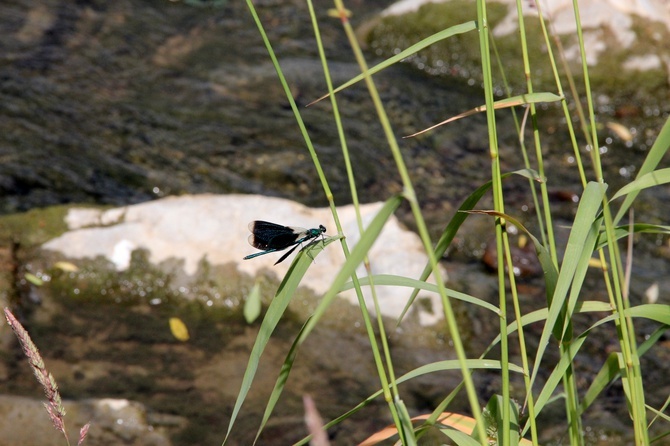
(651,179)
(654,157)
(452,228)
(586,212)
(428,41)
(280,383)
(637,228)
(497,105)
(274,313)
(406,421)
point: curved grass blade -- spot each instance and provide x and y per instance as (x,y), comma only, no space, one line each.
(455,223)
(639,228)
(392,280)
(531,98)
(450,232)
(274,313)
(651,179)
(428,41)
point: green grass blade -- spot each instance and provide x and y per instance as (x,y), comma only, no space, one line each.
(446,365)
(454,224)
(279,384)
(409,439)
(357,255)
(460,438)
(578,280)
(586,214)
(555,378)
(651,179)
(624,231)
(252,304)
(274,313)
(611,371)
(392,280)
(428,41)
(656,312)
(656,153)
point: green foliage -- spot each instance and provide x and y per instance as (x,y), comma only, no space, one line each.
(592,231)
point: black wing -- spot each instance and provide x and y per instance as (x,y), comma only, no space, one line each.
(266,235)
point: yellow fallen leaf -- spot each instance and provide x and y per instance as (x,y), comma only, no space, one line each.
(523,241)
(67,267)
(178,329)
(32,278)
(620,130)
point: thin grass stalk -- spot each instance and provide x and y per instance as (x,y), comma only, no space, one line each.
(385,380)
(548,239)
(559,88)
(324,181)
(498,203)
(569,383)
(627,338)
(520,128)
(572,404)
(547,221)
(410,195)
(597,166)
(625,298)
(530,401)
(539,213)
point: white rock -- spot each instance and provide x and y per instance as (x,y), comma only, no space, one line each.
(615,15)
(215,227)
